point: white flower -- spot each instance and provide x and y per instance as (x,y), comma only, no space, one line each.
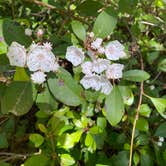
(106,86)
(40,32)
(114,71)
(87,68)
(75,55)
(91,35)
(38,77)
(55,67)
(28,32)
(101,50)
(97,43)
(39,58)
(161,139)
(17,54)
(114,50)
(159,143)
(91,82)
(48,46)
(100,65)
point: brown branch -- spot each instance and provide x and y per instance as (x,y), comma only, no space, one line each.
(137,112)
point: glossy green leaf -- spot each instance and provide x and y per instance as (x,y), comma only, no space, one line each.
(127,95)
(161,130)
(162,65)
(21,75)
(136,75)
(67,160)
(37,139)
(79,30)
(3,141)
(39,160)
(142,124)
(114,106)
(160,105)
(104,24)
(145,110)
(90,142)
(66,89)
(18,98)
(12,31)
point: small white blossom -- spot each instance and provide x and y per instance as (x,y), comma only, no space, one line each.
(101,50)
(114,71)
(159,143)
(39,58)
(38,77)
(114,50)
(97,43)
(28,32)
(75,55)
(48,46)
(40,32)
(161,139)
(91,82)
(55,67)
(87,68)
(152,87)
(100,65)
(106,86)
(17,54)
(91,35)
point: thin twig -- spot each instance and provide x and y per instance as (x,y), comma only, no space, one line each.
(137,113)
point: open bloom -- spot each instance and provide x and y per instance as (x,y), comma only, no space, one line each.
(114,50)
(40,58)
(17,54)
(97,43)
(114,71)
(75,55)
(97,83)
(87,68)
(100,65)
(38,77)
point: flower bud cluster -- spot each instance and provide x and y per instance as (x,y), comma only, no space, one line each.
(160,141)
(99,69)
(38,58)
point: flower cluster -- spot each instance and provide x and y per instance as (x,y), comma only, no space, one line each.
(98,70)
(160,141)
(39,59)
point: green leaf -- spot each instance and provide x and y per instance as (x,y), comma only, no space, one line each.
(114,106)
(145,110)
(72,139)
(104,24)
(89,8)
(136,158)
(79,30)
(160,105)
(127,95)
(136,75)
(37,139)
(67,160)
(20,75)
(39,160)
(161,130)
(4,164)
(162,65)
(12,31)
(18,98)
(90,142)
(3,45)
(142,124)
(66,89)
(146,160)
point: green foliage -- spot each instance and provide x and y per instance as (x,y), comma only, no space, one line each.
(59,123)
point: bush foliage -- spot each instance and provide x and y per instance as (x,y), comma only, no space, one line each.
(59,122)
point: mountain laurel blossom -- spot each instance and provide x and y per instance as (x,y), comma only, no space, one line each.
(40,58)
(114,50)
(114,71)
(97,43)
(38,77)
(75,55)
(17,54)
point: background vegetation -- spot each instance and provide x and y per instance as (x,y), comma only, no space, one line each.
(66,125)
